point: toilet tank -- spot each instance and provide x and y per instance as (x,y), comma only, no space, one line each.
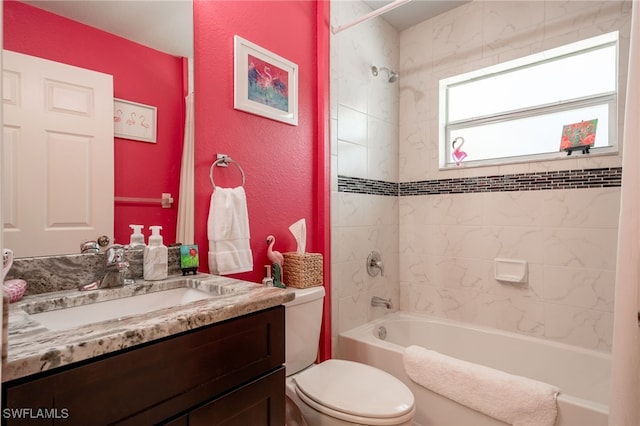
(303,318)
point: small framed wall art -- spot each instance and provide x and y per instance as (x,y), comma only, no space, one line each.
(264,83)
(132,120)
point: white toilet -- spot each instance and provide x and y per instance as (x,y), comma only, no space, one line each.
(336,392)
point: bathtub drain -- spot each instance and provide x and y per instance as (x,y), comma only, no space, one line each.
(382,332)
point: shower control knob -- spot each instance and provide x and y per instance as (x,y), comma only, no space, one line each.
(374,264)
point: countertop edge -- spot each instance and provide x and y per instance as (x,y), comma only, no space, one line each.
(42,350)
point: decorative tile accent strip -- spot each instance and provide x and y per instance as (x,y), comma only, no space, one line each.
(562,179)
(367,186)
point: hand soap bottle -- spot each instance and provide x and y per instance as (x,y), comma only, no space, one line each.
(156,256)
(136,241)
(135,254)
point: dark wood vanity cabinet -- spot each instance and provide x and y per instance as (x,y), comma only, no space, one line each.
(227,373)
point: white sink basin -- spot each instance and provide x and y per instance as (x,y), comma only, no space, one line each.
(63,319)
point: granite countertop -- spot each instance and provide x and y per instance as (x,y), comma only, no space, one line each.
(32,348)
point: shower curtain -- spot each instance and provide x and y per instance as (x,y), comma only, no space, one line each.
(184,231)
(624,408)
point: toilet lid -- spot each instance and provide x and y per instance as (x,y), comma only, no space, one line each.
(355,389)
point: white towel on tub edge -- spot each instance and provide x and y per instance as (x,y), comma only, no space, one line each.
(517,400)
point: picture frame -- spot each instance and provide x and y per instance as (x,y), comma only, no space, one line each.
(579,136)
(265,83)
(135,121)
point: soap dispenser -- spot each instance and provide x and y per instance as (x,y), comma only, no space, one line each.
(156,256)
(136,241)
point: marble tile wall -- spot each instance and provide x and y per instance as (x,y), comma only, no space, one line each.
(446,242)
(364,146)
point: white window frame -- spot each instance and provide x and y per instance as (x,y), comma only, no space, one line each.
(445,127)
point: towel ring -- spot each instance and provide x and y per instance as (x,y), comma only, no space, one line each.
(224,160)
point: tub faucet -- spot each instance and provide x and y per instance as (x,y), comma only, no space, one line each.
(115,263)
(379,301)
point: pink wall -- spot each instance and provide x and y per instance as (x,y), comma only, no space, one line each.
(140,74)
(286,166)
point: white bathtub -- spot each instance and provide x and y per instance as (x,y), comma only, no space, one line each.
(582,375)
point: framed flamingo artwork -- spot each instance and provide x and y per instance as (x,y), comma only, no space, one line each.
(264,83)
(132,120)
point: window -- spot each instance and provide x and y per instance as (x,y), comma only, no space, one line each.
(517,110)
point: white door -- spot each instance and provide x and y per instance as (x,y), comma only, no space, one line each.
(58,167)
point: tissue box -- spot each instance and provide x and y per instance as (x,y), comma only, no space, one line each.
(302,270)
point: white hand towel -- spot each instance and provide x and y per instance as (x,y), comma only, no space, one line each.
(516,400)
(228,232)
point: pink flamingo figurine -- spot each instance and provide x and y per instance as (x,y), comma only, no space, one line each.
(274,255)
(457,154)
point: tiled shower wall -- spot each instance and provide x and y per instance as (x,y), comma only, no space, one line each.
(364,112)
(448,241)
(568,237)
(451,224)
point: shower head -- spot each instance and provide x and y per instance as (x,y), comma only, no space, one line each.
(391,75)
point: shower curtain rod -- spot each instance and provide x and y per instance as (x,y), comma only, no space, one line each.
(370,15)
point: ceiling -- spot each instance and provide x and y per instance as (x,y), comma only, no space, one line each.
(167,25)
(413,12)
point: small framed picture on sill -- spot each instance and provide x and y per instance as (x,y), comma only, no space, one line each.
(579,136)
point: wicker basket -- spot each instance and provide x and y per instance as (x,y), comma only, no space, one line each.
(302,270)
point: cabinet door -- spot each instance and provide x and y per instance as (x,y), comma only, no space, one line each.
(259,403)
(151,383)
(180,421)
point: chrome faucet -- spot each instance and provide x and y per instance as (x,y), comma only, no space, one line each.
(89,247)
(93,246)
(379,301)
(115,263)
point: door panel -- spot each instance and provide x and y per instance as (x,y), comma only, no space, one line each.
(57,155)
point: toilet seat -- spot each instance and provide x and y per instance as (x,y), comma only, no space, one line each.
(356,393)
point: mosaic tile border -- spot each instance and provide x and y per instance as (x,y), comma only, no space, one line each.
(562,179)
(367,186)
